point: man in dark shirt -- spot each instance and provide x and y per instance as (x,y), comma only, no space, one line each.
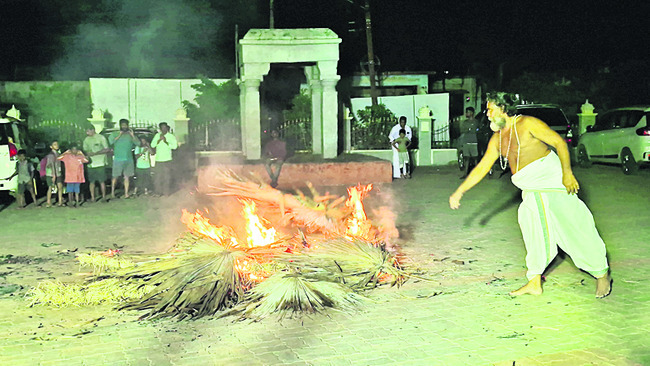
(275,151)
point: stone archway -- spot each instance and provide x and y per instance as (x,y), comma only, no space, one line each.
(259,49)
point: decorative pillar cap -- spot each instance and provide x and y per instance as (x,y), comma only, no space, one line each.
(13,112)
(97,115)
(181,114)
(587,108)
(425,112)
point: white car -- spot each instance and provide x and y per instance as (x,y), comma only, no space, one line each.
(620,136)
(12,139)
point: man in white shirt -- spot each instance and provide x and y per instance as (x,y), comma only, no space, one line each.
(394,133)
(164,142)
(96,147)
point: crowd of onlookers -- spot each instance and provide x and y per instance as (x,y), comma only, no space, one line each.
(149,162)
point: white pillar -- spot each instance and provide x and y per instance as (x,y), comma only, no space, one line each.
(347,135)
(586,118)
(330,118)
(316,116)
(425,120)
(181,126)
(250,123)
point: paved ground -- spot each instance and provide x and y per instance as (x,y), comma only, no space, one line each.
(462,316)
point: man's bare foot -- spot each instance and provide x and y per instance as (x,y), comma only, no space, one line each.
(533,287)
(603,286)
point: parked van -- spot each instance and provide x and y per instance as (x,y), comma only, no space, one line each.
(13,137)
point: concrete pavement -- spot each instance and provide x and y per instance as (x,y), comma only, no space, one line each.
(461,315)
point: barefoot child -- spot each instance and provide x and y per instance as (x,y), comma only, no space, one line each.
(74,172)
(25,173)
(143,167)
(401,144)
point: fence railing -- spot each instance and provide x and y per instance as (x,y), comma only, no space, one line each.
(216,135)
(440,138)
(142,123)
(65,132)
(297,133)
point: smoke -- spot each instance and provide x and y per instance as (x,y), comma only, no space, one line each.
(146,38)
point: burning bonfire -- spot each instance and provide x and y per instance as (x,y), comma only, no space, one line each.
(294,253)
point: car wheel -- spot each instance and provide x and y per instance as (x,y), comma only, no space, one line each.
(583,157)
(461,160)
(628,164)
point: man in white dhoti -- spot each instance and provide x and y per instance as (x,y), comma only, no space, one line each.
(394,134)
(551,214)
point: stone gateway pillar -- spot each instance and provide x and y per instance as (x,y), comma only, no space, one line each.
(318,48)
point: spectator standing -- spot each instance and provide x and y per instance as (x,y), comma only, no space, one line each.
(143,167)
(164,142)
(96,148)
(274,154)
(123,142)
(401,144)
(394,134)
(74,173)
(25,173)
(53,174)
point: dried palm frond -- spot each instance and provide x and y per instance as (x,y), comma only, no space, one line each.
(110,290)
(356,263)
(102,261)
(286,293)
(315,214)
(192,284)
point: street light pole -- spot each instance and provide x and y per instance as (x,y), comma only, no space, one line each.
(271,20)
(371,55)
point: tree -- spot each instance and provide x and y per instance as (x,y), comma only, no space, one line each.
(297,126)
(214,102)
(215,115)
(371,130)
(67,104)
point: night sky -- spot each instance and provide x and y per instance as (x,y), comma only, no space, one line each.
(77,39)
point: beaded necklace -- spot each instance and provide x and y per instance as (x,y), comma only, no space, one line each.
(503,160)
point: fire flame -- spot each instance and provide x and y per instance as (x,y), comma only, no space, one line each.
(200,224)
(256,228)
(358,224)
(258,232)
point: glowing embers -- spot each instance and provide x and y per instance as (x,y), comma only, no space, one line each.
(357,224)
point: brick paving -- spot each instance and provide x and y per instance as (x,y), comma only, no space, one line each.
(460,315)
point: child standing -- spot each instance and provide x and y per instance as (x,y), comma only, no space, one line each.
(143,167)
(74,172)
(25,173)
(53,174)
(401,144)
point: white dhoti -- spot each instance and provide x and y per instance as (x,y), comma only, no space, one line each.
(550,217)
(396,165)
